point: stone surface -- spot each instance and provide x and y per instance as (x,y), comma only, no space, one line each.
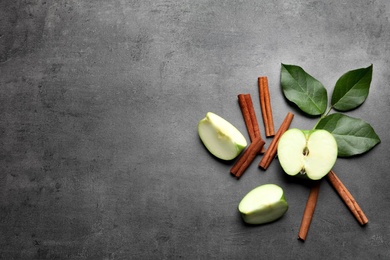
(99,104)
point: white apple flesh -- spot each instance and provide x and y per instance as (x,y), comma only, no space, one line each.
(264,204)
(308,153)
(220,137)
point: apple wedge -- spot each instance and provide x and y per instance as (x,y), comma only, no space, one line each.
(220,137)
(307,153)
(264,204)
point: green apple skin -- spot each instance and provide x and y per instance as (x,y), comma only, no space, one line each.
(220,137)
(263,204)
(310,154)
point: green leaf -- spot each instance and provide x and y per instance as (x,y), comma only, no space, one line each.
(354,136)
(351,89)
(303,90)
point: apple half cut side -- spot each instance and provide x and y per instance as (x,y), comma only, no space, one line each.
(220,137)
(263,204)
(307,153)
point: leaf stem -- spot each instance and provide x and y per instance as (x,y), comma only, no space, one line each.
(327,113)
(322,116)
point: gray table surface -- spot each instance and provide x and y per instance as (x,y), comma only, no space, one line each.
(99,103)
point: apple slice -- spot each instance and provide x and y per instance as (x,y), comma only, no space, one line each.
(220,137)
(308,153)
(263,204)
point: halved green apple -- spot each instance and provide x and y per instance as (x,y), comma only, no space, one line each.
(264,204)
(308,153)
(220,137)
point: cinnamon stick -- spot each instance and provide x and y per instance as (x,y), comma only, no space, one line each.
(255,124)
(265,104)
(347,197)
(247,158)
(309,211)
(250,119)
(270,153)
(242,101)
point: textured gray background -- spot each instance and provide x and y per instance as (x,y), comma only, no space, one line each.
(99,103)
